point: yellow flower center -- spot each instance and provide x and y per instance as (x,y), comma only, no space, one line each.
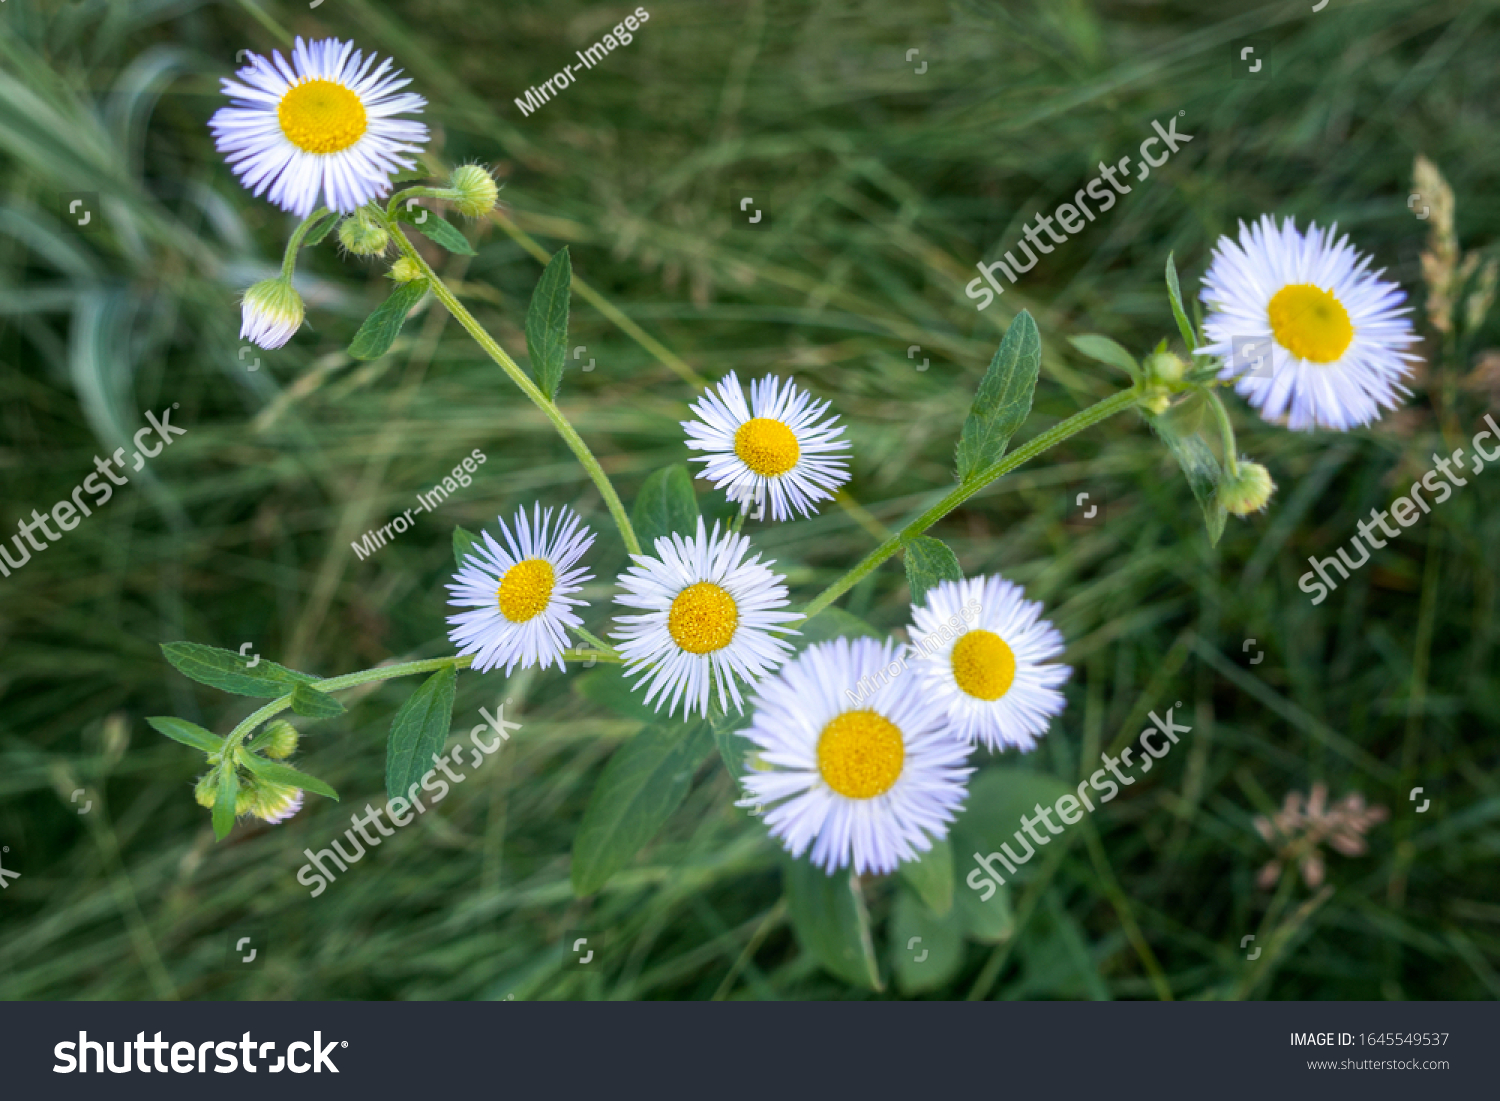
(703,618)
(1310,323)
(321,116)
(526,589)
(983,665)
(767,447)
(860,754)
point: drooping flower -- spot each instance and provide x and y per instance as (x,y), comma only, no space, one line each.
(708,616)
(774,447)
(1306,330)
(870,783)
(271,313)
(983,653)
(520,595)
(322,128)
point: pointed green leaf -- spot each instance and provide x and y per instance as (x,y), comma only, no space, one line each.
(1004,397)
(927,949)
(644,782)
(419,731)
(224,800)
(231,672)
(547,322)
(381,328)
(464,542)
(665,504)
(180,730)
(436,229)
(285,774)
(1174,292)
(1203,472)
(829,917)
(929,561)
(311,703)
(1107,351)
(985,919)
(734,747)
(321,230)
(932,877)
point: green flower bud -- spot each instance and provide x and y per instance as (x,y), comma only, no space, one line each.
(1164,367)
(1247,490)
(405,270)
(280,740)
(275,802)
(362,234)
(476,189)
(270,313)
(207,788)
(244,801)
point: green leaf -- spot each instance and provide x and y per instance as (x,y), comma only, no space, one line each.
(831,922)
(228,671)
(547,322)
(381,328)
(309,702)
(180,730)
(285,774)
(830,623)
(929,561)
(932,877)
(734,747)
(440,232)
(224,800)
(665,504)
(1203,472)
(1004,397)
(321,230)
(607,687)
(418,731)
(644,782)
(985,921)
(926,948)
(1107,351)
(1174,292)
(464,543)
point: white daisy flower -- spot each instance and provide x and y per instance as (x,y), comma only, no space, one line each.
(271,313)
(521,594)
(1332,330)
(774,445)
(708,615)
(322,126)
(872,782)
(982,653)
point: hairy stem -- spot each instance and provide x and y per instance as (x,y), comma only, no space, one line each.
(289,258)
(1116,403)
(1226,430)
(529,388)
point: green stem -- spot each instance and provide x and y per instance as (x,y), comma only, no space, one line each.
(289,259)
(1226,429)
(418,193)
(529,388)
(1116,403)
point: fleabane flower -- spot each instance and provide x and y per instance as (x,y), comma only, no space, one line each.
(520,595)
(774,447)
(867,776)
(993,680)
(1328,335)
(708,615)
(322,127)
(271,313)
(271,802)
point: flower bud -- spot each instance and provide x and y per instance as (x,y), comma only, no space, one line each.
(476,189)
(362,234)
(1164,367)
(275,802)
(207,788)
(281,740)
(244,801)
(405,269)
(271,312)
(1247,490)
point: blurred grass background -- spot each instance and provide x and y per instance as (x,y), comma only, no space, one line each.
(880,187)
